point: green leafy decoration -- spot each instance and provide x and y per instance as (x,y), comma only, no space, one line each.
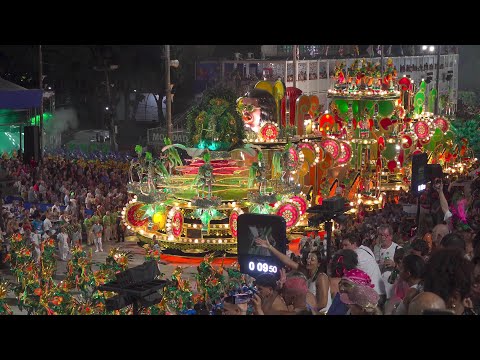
(252,174)
(215,123)
(206,156)
(467,129)
(277,164)
(171,151)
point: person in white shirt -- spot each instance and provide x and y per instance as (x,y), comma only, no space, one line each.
(384,252)
(76,233)
(63,247)
(35,240)
(66,199)
(97,229)
(56,207)
(366,261)
(47,224)
(74,207)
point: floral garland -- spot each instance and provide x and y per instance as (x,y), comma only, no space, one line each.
(38,294)
(4,288)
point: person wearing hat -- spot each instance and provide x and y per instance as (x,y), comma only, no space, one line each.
(348,281)
(361,300)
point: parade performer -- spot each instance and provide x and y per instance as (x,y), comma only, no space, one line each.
(97,229)
(107,229)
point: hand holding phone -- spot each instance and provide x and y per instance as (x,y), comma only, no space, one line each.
(262,243)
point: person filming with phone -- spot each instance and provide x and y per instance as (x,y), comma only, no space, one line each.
(314,270)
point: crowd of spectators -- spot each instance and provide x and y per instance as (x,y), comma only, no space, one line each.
(384,263)
(74,201)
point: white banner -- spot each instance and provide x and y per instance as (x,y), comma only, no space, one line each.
(155,136)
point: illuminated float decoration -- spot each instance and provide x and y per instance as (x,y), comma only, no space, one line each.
(243,161)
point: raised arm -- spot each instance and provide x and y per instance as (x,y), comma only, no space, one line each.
(443,200)
(282,257)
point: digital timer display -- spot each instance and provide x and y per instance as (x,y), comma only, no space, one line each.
(254,231)
(262,267)
(257,265)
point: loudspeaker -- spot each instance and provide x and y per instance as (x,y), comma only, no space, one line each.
(31,141)
(419,173)
(434,171)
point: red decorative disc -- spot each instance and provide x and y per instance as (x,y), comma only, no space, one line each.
(424,142)
(134,215)
(269,132)
(301,202)
(422,130)
(345,153)
(290,213)
(177,223)
(441,124)
(308,145)
(407,141)
(233,223)
(332,147)
(293,159)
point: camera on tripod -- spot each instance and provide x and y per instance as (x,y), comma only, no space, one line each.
(331,209)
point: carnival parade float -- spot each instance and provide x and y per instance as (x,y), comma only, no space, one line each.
(275,151)
(380,121)
(242,160)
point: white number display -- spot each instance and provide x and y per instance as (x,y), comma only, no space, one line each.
(262,267)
